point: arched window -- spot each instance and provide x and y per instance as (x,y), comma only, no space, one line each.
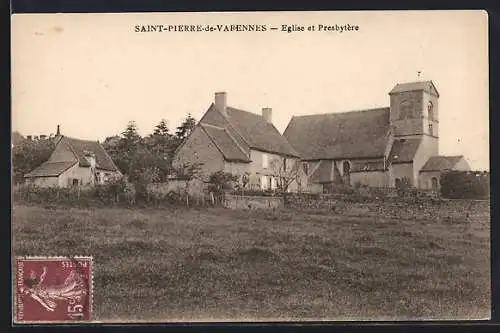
(430,111)
(346,168)
(434,183)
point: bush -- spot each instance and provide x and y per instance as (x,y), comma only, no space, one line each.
(465,185)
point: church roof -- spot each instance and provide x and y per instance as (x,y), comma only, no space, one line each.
(403,150)
(355,134)
(441,163)
(426,86)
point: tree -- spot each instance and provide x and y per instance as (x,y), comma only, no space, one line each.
(185,128)
(162,129)
(130,137)
(28,155)
(287,170)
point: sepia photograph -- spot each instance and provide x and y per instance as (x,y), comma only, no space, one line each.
(250,167)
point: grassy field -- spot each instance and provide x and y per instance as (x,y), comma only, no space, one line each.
(217,264)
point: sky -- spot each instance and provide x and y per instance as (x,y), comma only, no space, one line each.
(92,73)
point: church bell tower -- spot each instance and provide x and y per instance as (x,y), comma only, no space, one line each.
(414,114)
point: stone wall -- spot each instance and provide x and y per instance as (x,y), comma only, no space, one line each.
(403,208)
(252,202)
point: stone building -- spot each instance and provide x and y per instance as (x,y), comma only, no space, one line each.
(239,142)
(377,147)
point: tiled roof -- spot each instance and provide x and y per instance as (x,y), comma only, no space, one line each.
(355,134)
(403,150)
(50,169)
(426,86)
(79,147)
(258,133)
(225,143)
(249,130)
(440,163)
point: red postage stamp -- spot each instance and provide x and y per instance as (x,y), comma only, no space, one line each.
(53,289)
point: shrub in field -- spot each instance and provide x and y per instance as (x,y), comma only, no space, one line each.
(220,181)
(465,185)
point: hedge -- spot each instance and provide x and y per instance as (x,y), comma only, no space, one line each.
(465,185)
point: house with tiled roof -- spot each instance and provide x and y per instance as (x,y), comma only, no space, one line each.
(238,142)
(378,147)
(74,162)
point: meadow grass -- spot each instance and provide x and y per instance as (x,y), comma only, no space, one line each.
(218,264)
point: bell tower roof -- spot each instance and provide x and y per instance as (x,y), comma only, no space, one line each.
(427,86)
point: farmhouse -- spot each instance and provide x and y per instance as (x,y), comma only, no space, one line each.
(377,147)
(239,142)
(74,162)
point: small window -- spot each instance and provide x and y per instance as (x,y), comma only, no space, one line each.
(265,162)
(75,182)
(263,182)
(305,166)
(346,168)
(430,130)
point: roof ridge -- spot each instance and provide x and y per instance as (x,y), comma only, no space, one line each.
(76,139)
(340,113)
(241,110)
(412,82)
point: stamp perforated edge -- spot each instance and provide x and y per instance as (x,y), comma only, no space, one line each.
(59,257)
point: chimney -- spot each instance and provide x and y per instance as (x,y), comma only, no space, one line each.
(58,130)
(29,137)
(221,102)
(90,156)
(267,113)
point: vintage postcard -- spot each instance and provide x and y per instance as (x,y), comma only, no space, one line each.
(257,166)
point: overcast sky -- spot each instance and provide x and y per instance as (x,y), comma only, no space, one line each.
(91,73)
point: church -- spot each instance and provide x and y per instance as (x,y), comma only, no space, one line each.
(380,147)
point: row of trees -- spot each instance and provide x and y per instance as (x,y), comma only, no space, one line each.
(147,159)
